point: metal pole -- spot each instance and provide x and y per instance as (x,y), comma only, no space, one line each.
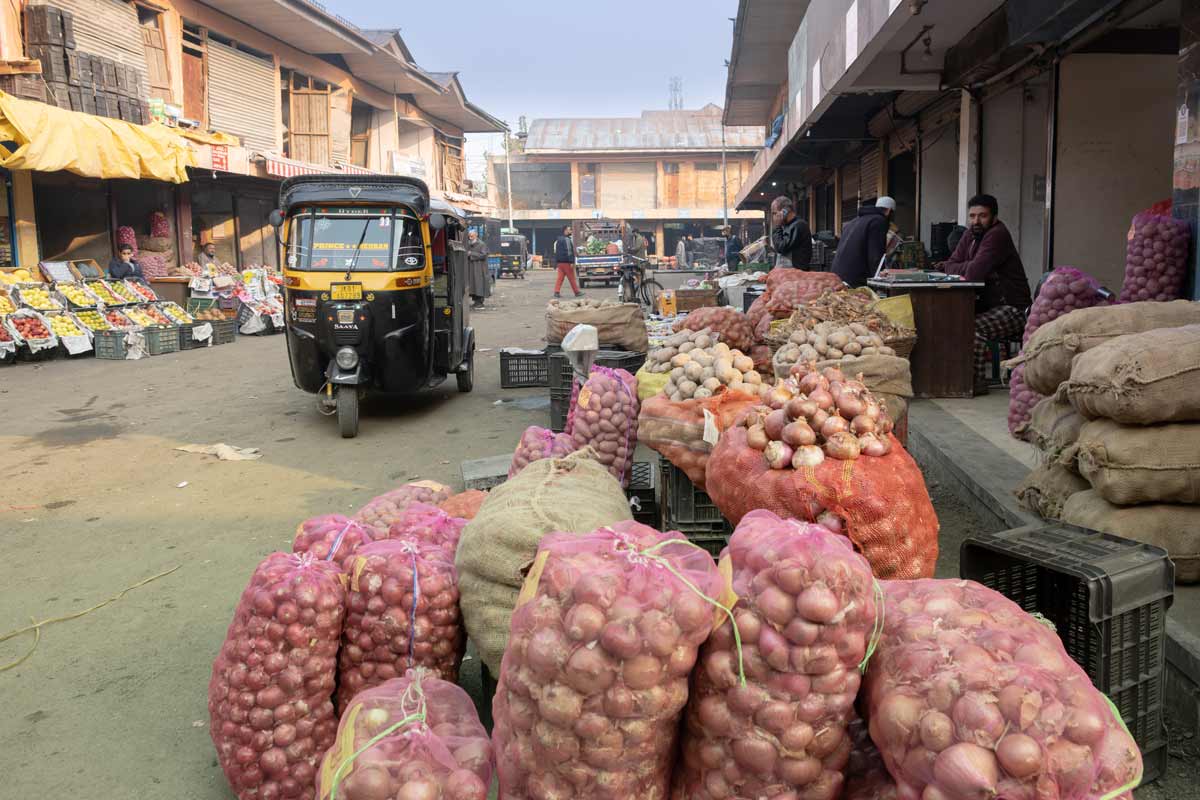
(508,177)
(724,180)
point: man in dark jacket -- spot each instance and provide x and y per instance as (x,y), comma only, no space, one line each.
(987,253)
(790,236)
(564,259)
(124,266)
(733,247)
(863,242)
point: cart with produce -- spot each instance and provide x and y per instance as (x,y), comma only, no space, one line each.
(38,296)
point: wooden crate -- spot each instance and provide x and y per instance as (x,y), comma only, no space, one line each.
(25,86)
(44,26)
(59,94)
(68,29)
(53,58)
(692,299)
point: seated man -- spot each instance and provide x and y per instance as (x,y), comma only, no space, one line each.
(124,265)
(987,253)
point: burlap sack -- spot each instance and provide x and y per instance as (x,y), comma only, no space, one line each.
(1129,464)
(1045,490)
(1175,528)
(880,374)
(572,494)
(1053,427)
(1048,354)
(620,325)
(1140,379)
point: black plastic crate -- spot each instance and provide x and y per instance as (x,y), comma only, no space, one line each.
(642,493)
(560,405)
(1108,599)
(685,503)
(524,370)
(712,541)
(224,331)
(561,371)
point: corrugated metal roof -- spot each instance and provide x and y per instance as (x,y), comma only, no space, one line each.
(698,129)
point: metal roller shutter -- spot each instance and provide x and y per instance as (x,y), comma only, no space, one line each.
(941,112)
(870,168)
(242,94)
(627,186)
(108,28)
(848,176)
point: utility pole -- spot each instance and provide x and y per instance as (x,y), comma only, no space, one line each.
(724,180)
(508,176)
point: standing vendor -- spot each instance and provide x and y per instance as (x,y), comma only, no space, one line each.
(124,266)
(987,253)
(477,270)
(733,247)
(790,236)
(632,243)
(864,242)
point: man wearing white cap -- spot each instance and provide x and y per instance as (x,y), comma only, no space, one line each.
(864,242)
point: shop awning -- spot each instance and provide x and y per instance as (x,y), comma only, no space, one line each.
(281,167)
(36,136)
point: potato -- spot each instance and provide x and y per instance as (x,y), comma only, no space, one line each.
(701,393)
(681,360)
(886,351)
(833,352)
(722,366)
(853,348)
(859,329)
(676,398)
(712,384)
(693,371)
(704,340)
(751,377)
(687,347)
(705,358)
(688,388)
(706,373)
(743,363)
(670,388)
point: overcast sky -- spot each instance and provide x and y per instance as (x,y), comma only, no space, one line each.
(567,58)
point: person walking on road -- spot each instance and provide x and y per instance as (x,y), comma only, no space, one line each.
(790,235)
(864,242)
(987,253)
(479,279)
(564,258)
(683,253)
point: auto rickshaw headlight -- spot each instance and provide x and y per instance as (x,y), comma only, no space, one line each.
(347,358)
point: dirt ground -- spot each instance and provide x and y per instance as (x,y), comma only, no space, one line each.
(95,498)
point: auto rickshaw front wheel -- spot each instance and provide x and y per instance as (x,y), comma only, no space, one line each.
(347,411)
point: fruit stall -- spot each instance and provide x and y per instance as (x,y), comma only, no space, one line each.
(65,309)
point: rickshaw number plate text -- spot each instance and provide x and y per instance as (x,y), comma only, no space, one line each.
(345,291)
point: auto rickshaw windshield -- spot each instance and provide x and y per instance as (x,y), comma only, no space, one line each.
(355,240)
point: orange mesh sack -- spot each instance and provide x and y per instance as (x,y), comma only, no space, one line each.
(734,328)
(464,505)
(880,503)
(676,429)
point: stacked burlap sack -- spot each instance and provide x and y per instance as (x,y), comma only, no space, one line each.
(618,325)
(1120,434)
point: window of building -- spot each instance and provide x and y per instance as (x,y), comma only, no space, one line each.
(671,168)
(157,73)
(195,73)
(360,133)
(305,117)
(707,166)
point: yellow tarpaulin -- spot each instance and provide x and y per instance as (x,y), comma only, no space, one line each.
(36,136)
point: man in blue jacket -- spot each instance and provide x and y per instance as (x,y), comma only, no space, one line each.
(864,242)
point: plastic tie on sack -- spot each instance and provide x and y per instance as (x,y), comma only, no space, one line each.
(412,694)
(580,345)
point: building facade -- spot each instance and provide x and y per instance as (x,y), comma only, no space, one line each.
(257,91)
(1072,114)
(668,173)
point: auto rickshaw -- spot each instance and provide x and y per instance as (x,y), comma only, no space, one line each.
(375,286)
(514,254)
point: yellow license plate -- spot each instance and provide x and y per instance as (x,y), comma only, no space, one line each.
(345,291)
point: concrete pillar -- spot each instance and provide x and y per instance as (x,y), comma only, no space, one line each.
(1186,195)
(660,235)
(25,219)
(575,198)
(968,153)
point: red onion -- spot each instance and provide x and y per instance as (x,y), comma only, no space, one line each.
(778,455)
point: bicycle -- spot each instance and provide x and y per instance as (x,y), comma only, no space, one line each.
(634,287)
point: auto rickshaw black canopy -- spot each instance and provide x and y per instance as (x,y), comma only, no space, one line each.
(331,190)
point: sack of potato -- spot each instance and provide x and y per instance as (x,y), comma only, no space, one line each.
(827,341)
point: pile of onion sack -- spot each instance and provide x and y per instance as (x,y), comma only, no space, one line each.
(604,415)
(968,696)
(538,443)
(382,511)
(595,674)
(732,326)
(333,537)
(402,612)
(411,738)
(1064,290)
(823,452)
(1155,258)
(271,718)
(806,613)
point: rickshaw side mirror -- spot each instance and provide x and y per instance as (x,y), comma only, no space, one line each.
(276,219)
(437,222)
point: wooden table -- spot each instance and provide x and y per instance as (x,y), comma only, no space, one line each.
(943,362)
